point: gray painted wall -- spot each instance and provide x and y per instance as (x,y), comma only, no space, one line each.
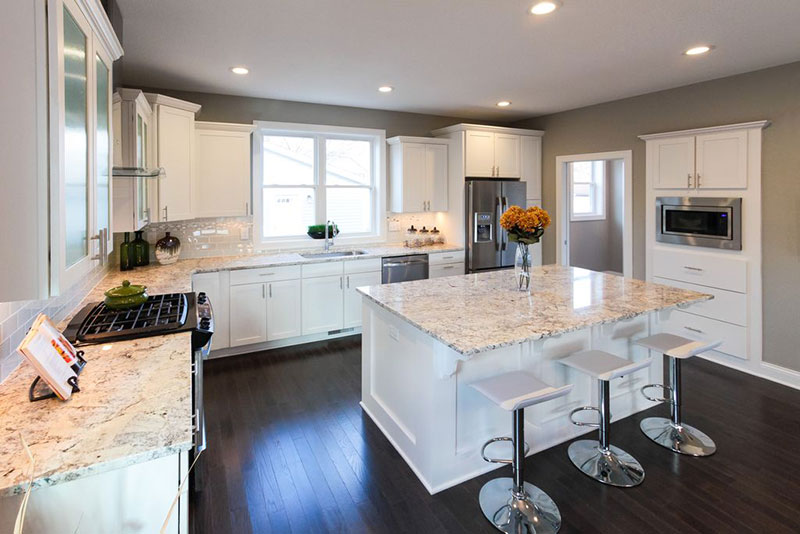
(772,94)
(597,245)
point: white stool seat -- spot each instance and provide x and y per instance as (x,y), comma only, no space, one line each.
(677,346)
(603,365)
(517,390)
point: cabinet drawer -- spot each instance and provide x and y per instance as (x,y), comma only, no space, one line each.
(727,306)
(264,274)
(447,269)
(362,266)
(712,270)
(446,257)
(734,338)
(328,268)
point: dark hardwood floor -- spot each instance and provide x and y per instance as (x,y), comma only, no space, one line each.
(290,452)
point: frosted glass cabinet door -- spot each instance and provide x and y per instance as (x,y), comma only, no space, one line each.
(76,158)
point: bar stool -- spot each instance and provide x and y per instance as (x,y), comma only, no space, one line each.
(599,459)
(673,433)
(511,504)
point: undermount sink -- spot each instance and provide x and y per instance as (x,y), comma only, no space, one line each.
(342,254)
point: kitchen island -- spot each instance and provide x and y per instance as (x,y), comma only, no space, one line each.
(424,342)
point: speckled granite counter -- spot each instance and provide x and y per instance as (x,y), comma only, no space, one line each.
(479,312)
(135,403)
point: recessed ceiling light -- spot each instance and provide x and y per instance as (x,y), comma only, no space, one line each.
(544,7)
(240,70)
(503,104)
(385,88)
(697,50)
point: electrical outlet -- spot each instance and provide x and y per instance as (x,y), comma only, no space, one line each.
(394,226)
(244,234)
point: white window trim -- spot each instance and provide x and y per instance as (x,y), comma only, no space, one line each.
(599,213)
(378,139)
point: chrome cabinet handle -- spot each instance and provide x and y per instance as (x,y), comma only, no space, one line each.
(341,283)
(348,282)
(698,180)
(689,180)
(263,291)
(246,208)
(449,267)
(270,291)
(689,328)
(166,213)
(695,269)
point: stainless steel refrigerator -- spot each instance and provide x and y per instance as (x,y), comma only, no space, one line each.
(488,246)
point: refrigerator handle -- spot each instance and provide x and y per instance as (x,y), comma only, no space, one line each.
(499,231)
(505,207)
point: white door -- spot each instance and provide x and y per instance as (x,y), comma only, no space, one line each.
(284,309)
(673,163)
(436,176)
(414,192)
(506,155)
(722,160)
(248,314)
(352,298)
(479,154)
(222,173)
(175,153)
(323,306)
(215,285)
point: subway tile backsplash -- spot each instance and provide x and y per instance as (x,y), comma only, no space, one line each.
(16,317)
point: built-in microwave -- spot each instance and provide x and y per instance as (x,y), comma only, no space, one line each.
(700,221)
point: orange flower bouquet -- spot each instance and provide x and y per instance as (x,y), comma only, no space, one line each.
(525,227)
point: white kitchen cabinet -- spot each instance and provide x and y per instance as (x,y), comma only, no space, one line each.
(721,160)
(216,286)
(352,298)
(492,154)
(418,174)
(221,186)
(445,269)
(715,160)
(248,314)
(531,165)
(323,308)
(284,309)
(174,132)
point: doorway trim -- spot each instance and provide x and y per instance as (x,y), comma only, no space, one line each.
(562,213)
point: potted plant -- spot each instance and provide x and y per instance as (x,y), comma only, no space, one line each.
(525,227)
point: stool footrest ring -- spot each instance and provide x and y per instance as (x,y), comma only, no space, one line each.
(499,460)
(666,389)
(583,409)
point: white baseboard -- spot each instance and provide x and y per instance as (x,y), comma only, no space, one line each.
(288,342)
(765,370)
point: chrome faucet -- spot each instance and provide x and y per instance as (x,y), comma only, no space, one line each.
(328,244)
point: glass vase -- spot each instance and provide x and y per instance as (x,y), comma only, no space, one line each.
(168,249)
(522,266)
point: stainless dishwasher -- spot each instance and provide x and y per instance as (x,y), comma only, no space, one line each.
(404,268)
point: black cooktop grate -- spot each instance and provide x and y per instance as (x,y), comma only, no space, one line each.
(161,313)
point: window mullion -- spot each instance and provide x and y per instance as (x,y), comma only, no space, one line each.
(321,193)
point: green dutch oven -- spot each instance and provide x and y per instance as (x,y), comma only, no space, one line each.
(125,296)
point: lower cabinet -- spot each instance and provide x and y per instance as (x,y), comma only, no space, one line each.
(352,298)
(284,309)
(248,314)
(448,269)
(322,304)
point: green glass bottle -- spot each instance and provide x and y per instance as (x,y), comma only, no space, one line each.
(126,254)
(141,250)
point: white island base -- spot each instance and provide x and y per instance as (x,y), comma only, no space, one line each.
(416,389)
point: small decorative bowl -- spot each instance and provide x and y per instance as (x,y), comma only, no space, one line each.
(125,296)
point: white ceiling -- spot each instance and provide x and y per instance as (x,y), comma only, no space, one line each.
(450,57)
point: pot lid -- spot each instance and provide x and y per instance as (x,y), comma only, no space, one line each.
(125,290)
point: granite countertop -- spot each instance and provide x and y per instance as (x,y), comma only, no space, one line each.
(135,398)
(480,312)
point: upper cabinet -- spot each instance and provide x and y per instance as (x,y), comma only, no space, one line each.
(713,160)
(133,160)
(174,142)
(418,174)
(492,154)
(531,166)
(221,185)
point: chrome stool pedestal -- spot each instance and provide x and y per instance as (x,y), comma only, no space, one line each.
(511,504)
(673,433)
(599,459)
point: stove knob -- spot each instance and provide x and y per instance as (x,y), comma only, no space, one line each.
(201,298)
(205,323)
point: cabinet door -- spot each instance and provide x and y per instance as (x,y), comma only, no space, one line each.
(506,155)
(352,298)
(323,307)
(673,163)
(531,165)
(248,314)
(479,154)
(222,173)
(284,308)
(722,160)
(175,153)
(215,285)
(414,168)
(436,177)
